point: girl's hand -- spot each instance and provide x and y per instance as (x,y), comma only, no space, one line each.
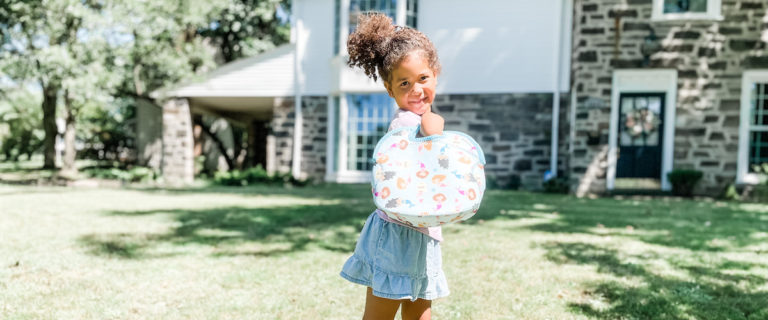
(431,124)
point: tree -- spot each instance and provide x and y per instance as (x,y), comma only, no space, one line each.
(91,54)
(247,27)
(40,42)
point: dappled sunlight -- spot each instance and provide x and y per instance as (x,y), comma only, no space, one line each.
(655,283)
(754,207)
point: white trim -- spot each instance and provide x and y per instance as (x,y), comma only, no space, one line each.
(644,80)
(344,175)
(748,78)
(298,118)
(342,146)
(400,12)
(554,135)
(714,12)
(343,28)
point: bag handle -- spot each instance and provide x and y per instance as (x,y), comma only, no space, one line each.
(412,137)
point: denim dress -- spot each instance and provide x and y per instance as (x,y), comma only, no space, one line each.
(397,262)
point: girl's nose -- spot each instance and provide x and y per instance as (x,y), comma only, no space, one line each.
(417,90)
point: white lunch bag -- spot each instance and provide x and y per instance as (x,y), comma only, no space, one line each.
(428,181)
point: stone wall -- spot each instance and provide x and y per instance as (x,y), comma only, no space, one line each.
(178,157)
(314,137)
(710,57)
(513,130)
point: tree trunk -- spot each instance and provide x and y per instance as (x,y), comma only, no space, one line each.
(68,163)
(49,125)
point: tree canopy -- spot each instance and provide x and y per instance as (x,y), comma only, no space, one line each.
(79,59)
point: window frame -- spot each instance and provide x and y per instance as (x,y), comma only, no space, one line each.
(714,12)
(339,170)
(748,79)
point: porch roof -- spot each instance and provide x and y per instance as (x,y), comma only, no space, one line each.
(245,86)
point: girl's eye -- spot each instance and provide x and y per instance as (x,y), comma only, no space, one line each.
(424,78)
(404,83)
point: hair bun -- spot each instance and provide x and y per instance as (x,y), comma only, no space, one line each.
(367,45)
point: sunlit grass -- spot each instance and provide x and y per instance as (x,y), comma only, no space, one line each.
(274,253)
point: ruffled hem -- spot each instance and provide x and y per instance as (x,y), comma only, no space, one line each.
(395,286)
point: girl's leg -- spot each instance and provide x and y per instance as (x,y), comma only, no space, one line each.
(417,310)
(379,308)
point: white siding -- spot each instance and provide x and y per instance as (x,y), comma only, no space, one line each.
(316,41)
(496,45)
(267,75)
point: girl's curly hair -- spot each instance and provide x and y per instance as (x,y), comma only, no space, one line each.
(378,45)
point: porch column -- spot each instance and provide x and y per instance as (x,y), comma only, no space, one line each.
(178,156)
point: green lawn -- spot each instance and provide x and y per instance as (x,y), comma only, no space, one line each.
(273,253)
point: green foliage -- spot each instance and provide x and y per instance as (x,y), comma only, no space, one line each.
(730,193)
(97,57)
(684,181)
(557,185)
(108,133)
(247,27)
(134,174)
(20,133)
(256,175)
(513,183)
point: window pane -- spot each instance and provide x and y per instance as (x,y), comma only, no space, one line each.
(370,115)
(358,7)
(758,149)
(640,120)
(759,104)
(682,6)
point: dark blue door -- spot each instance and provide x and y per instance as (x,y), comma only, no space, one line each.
(640,135)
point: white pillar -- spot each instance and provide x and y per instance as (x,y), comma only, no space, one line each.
(297,87)
(556,94)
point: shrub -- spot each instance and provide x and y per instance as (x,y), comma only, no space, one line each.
(134,174)
(684,181)
(557,185)
(255,175)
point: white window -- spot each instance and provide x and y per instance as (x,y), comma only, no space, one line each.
(668,10)
(359,121)
(753,127)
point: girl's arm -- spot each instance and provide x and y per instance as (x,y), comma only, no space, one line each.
(431,123)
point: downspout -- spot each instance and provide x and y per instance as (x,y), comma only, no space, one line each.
(556,95)
(297,86)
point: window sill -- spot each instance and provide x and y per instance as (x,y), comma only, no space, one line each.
(678,17)
(349,177)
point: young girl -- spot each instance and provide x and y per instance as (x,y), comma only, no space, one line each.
(400,265)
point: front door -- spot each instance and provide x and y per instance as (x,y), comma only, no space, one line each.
(640,135)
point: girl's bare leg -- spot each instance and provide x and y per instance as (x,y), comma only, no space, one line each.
(417,310)
(379,308)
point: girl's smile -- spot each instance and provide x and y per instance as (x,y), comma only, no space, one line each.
(413,84)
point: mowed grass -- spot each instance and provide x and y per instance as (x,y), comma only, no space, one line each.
(274,253)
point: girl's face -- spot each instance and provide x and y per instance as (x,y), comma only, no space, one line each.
(413,84)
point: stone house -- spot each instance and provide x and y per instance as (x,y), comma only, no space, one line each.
(321,119)
(610,94)
(660,85)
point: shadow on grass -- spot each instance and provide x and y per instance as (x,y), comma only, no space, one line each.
(710,291)
(327,191)
(262,231)
(693,225)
